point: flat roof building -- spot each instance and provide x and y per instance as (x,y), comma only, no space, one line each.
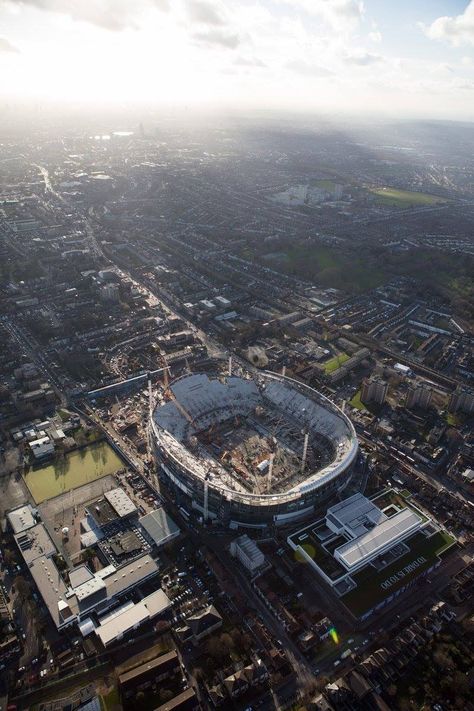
(370,550)
(120,502)
(249,554)
(186,701)
(354,516)
(130,616)
(21,519)
(159,527)
(152,672)
(34,543)
(377,540)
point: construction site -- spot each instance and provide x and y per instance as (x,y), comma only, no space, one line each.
(262,441)
(265,452)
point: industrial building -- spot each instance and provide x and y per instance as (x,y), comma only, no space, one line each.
(159,527)
(72,596)
(252,452)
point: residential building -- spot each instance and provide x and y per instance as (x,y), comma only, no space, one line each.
(374,390)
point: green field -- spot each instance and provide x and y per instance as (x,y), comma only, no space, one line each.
(357,402)
(334,363)
(71,471)
(404,198)
(333,267)
(324,184)
(369,592)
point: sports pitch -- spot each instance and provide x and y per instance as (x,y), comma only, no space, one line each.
(405,198)
(75,469)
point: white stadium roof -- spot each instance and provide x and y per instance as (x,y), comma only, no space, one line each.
(201,401)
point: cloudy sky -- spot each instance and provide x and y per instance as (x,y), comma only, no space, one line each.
(405,57)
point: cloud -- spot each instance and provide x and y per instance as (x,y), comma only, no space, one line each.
(308,69)
(7,46)
(457,30)
(337,13)
(375,36)
(249,62)
(111,15)
(215,37)
(204,12)
(363,59)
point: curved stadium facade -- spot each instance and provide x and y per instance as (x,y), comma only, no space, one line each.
(254,451)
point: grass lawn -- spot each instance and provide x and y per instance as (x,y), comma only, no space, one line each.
(333,267)
(324,184)
(335,363)
(369,592)
(404,198)
(357,402)
(451,419)
(71,471)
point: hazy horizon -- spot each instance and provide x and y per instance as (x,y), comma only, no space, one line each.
(301,57)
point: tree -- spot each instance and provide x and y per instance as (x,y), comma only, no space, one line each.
(23,588)
(88,554)
(165,695)
(220,647)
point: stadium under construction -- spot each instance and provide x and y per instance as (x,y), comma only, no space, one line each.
(251,451)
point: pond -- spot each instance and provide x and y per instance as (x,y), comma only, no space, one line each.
(73,470)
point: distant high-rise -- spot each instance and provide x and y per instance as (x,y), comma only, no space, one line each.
(141,130)
(461,400)
(419,395)
(374,390)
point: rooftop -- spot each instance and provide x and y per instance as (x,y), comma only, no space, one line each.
(34,543)
(79,575)
(21,518)
(386,534)
(356,515)
(170,658)
(62,607)
(159,526)
(131,574)
(120,502)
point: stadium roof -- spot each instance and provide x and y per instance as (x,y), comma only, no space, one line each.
(200,401)
(377,540)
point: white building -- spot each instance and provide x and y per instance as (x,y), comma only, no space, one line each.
(42,447)
(248,553)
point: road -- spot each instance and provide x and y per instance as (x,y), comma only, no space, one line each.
(432,479)
(299,663)
(33,349)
